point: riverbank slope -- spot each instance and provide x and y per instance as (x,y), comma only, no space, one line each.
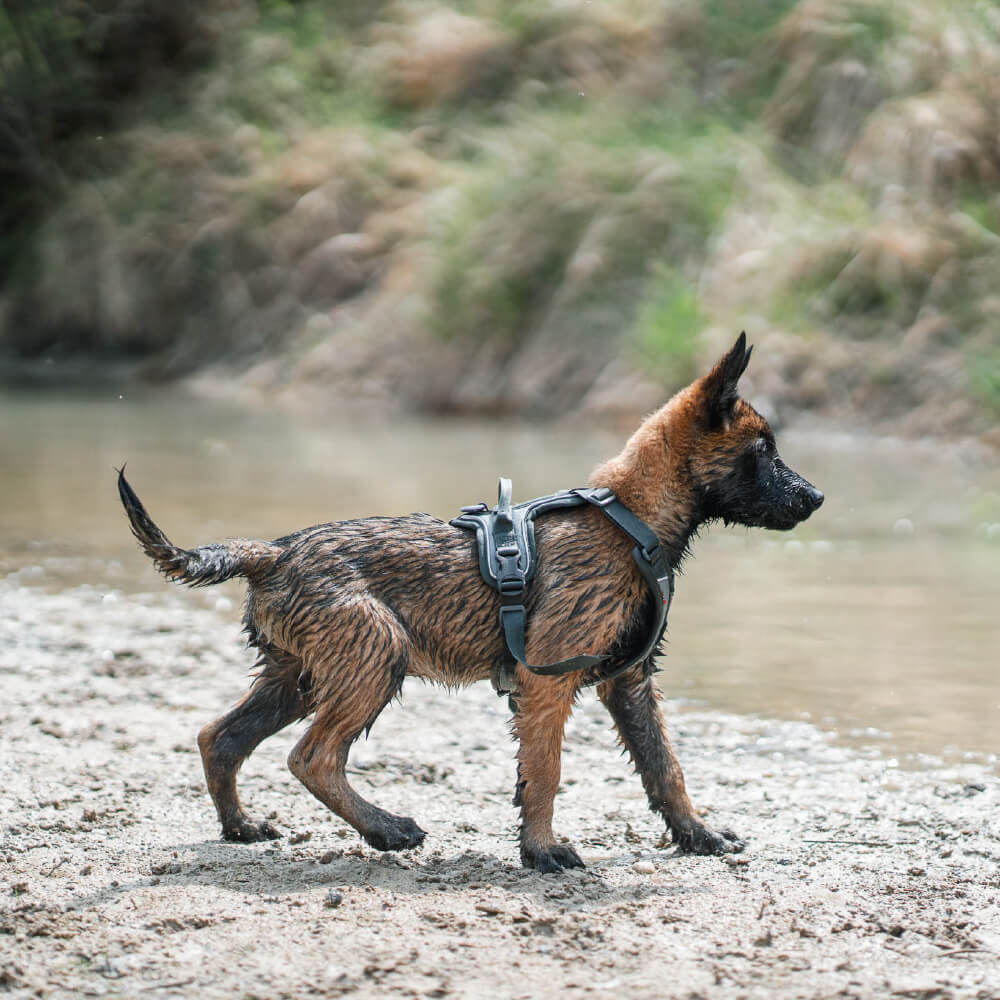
(527,209)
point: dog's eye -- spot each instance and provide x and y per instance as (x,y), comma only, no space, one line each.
(765,446)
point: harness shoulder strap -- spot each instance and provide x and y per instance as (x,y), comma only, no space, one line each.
(648,553)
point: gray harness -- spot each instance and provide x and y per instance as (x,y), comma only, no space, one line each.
(505,538)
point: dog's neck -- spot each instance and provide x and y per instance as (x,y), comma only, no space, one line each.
(651,476)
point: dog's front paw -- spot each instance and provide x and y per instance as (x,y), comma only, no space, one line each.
(246,831)
(395,833)
(696,838)
(551,858)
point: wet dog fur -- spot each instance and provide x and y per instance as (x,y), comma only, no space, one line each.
(341,613)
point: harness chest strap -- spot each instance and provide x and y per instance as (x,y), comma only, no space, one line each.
(505,537)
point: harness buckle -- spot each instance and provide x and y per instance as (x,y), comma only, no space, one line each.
(602,496)
(503,520)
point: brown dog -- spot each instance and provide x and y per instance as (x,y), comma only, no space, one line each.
(341,613)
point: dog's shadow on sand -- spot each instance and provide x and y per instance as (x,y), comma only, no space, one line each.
(274,874)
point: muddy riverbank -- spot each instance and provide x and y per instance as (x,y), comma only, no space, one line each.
(861,878)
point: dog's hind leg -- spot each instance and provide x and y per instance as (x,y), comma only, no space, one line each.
(541,708)
(633,701)
(350,701)
(274,700)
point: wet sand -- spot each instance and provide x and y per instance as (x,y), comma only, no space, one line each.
(860,879)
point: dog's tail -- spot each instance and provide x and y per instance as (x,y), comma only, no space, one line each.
(198,567)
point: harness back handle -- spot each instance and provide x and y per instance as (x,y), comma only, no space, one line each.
(503,519)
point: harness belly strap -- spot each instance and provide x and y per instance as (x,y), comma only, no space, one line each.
(505,538)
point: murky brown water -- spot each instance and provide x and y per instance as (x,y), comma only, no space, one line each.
(879,618)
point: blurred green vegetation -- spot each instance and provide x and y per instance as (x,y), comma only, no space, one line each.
(667,327)
(984,374)
(66,68)
(634,180)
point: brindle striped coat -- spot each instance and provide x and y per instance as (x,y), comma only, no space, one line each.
(340,613)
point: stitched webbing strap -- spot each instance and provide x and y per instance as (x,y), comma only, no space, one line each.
(512,620)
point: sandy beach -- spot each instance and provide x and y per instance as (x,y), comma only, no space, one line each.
(860,878)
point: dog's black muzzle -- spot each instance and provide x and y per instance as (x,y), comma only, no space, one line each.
(800,497)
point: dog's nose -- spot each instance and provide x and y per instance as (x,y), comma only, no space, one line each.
(815,497)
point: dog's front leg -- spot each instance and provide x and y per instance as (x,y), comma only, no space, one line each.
(633,701)
(541,708)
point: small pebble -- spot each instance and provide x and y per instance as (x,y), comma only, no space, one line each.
(334,898)
(643,867)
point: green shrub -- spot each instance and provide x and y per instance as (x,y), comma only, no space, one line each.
(984,378)
(667,326)
(575,225)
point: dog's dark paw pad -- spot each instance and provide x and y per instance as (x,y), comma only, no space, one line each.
(552,859)
(703,840)
(246,831)
(397,833)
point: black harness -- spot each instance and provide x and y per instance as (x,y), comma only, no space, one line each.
(505,537)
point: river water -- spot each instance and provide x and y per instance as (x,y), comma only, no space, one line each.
(878,619)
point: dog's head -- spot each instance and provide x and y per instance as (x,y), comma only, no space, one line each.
(736,471)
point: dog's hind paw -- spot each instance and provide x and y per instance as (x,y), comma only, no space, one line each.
(395,833)
(245,831)
(700,839)
(551,859)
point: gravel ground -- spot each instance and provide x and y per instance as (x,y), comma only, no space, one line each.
(860,878)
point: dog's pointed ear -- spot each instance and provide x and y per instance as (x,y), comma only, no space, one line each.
(719,385)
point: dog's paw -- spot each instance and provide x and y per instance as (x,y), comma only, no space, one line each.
(246,831)
(700,839)
(550,859)
(395,833)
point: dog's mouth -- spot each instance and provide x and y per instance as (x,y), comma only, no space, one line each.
(785,522)
(781,512)
(799,510)
(772,520)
